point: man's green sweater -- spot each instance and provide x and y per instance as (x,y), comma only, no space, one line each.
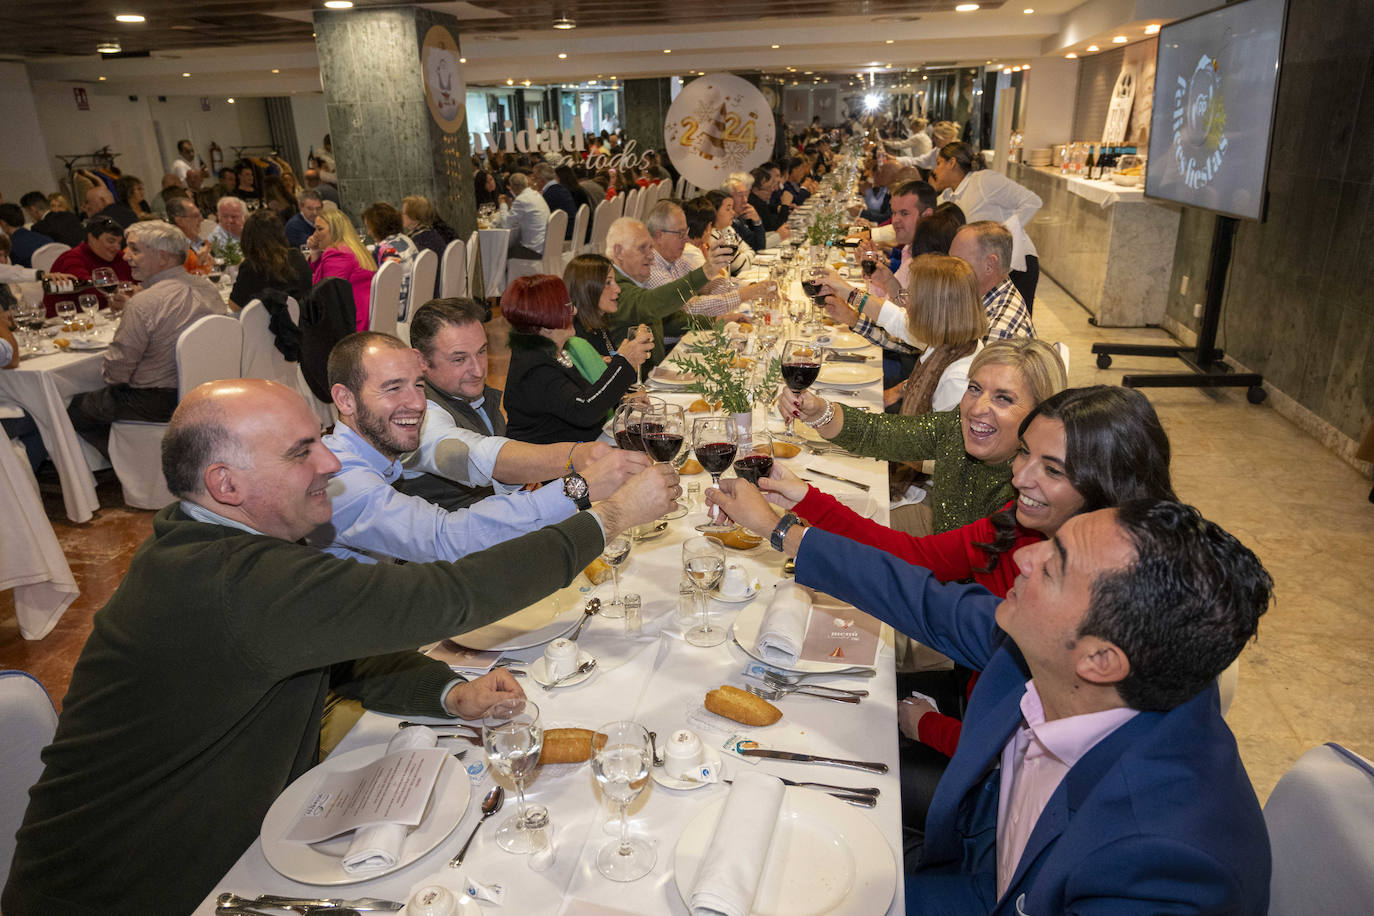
(638,305)
(198,696)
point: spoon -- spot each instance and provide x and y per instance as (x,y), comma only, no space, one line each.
(653,743)
(583,668)
(490,805)
(593,605)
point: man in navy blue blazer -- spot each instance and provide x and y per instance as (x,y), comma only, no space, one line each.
(555,195)
(1094,774)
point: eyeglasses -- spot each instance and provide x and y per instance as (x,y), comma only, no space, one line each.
(680,233)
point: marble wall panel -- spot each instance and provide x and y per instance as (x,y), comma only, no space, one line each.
(1349,390)
(646,106)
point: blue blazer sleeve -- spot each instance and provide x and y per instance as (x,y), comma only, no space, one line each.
(957,620)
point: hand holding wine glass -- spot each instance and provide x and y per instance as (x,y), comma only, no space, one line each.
(714,443)
(754,456)
(621,767)
(801,364)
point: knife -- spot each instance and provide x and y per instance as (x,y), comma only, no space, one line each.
(834,357)
(813,758)
(862,486)
(362,904)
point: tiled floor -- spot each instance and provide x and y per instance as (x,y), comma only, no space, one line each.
(1304,681)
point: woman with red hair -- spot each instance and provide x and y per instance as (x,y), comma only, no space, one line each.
(547,399)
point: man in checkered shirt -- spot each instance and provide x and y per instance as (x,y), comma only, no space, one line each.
(986,246)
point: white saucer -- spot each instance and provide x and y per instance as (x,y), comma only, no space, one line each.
(661,777)
(539,670)
(739,599)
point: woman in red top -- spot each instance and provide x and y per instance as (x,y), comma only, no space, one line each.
(336,251)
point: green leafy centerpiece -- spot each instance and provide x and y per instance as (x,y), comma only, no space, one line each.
(723,375)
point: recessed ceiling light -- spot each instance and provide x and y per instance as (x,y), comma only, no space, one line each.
(230,101)
(775,47)
(339,4)
(276,70)
(1071,56)
(1092,48)
(966,8)
(1152,29)
(101,78)
(185,74)
(667,50)
(462,60)
(527,82)
(108,47)
(889,41)
(1025,66)
(510,82)
(1027,11)
(129,17)
(1119,40)
(562,55)
(1006,70)
(563,22)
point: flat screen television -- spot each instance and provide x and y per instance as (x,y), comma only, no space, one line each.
(1216,81)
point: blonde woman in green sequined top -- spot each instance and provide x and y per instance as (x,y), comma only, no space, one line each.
(972,446)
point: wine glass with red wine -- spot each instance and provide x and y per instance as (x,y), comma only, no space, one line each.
(628,424)
(664,432)
(754,457)
(714,442)
(801,363)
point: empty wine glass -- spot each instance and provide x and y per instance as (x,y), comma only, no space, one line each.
(29,317)
(90,306)
(801,364)
(66,310)
(703,560)
(621,767)
(513,738)
(615,553)
(713,442)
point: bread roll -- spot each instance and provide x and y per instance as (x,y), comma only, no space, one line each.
(742,706)
(785,449)
(689,467)
(569,745)
(701,405)
(599,571)
(737,538)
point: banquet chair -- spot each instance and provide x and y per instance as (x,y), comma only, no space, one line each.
(209,350)
(634,203)
(1063,350)
(473,253)
(262,359)
(552,260)
(601,222)
(423,270)
(579,234)
(453,271)
(386,297)
(28,722)
(1319,818)
(42,258)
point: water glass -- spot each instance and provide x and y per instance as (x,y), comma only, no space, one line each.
(703,560)
(615,553)
(513,738)
(621,768)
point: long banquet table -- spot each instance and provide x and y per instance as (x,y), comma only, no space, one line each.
(657,680)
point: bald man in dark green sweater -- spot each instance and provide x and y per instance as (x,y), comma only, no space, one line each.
(197,698)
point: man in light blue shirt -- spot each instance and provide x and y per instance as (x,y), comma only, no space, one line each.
(377,382)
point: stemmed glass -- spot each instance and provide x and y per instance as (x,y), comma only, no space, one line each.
(615,553)
(755,455)
(621,767)
(513,738)
(66,310)
(801,363)
(663,433)
(90,305)
(126,289)
(713,442)
(628,424)
(703,559)
(29,316)
(105,280)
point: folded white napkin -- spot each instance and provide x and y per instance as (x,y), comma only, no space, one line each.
(379,846)
(733,864)
(783,629)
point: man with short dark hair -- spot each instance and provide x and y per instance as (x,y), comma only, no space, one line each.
(185,163)
(328,192)
(375,381)
(59,225)
(23,242)
(200,692)
(527,219)
(774,217)
(301,225)
(555,195)
(100,248)
(1095,773)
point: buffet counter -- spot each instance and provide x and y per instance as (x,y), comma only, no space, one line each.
(1106,245)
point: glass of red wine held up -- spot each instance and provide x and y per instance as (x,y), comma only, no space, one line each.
(714,442)
(801,364)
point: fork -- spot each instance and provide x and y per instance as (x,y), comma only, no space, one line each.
(774,693)
(773,680)
(857,799)
(791,679)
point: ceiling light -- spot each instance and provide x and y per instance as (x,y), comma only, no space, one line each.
(101,78)
(889,41)
(1119,40)
(1071,56)
(775,47)
(667,50)
(966,8)
(527,82)
(108,47)
(807,72)
(1092,48)
(275,70)
(129,17)
(1007,70)
(591,82)
(339,4)
(230,101)
(562,56)
(1015,69)
(462,60)
(510,82)
(185,74)
(1025,66)
(563,22)
(1152,29)
(1027,11)
(871,102)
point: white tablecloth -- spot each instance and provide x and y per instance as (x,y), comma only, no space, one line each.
(43,385)
(493,245)
(31,560)
(656,680)
(1104,193)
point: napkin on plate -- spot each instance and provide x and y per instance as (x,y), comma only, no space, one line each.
(733,865)
(783,629)
(379,846)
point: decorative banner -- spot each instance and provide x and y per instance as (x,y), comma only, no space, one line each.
(1119,112)
(718,124)
(443,82)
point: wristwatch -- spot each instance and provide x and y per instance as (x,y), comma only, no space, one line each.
(575,488)
(776,538)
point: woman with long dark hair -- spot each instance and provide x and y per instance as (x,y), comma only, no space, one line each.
(269,261)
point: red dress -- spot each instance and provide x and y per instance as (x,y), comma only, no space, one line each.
(952,556)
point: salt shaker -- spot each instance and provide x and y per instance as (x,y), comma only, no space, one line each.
(540,832)
(634,621)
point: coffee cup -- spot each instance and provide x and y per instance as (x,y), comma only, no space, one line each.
(735,584)
(682,755)
(560,658)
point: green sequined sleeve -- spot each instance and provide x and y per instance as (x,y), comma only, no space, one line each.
(891,437)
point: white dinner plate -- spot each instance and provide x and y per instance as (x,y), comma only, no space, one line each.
(669,377)
(541,622)
(840,339)
(849,375)
(826,858)
(745,630)
(95,344)
(322,863)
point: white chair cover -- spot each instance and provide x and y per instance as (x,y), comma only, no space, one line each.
(42,258)
(579,236)
(422,274)
(1063,350)
(553,243)
(1319,818)
(473,253)
(618,204)
(28,722)
(209,350)
(31,560)
(634,203)
(601,223)
(454,270)
(386,297)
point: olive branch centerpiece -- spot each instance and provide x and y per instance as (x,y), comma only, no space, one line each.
(722,374)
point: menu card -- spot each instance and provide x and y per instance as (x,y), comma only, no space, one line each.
(461,658)
(392,790)
(841,635)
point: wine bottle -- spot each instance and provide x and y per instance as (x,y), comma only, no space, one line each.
(1091,165)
